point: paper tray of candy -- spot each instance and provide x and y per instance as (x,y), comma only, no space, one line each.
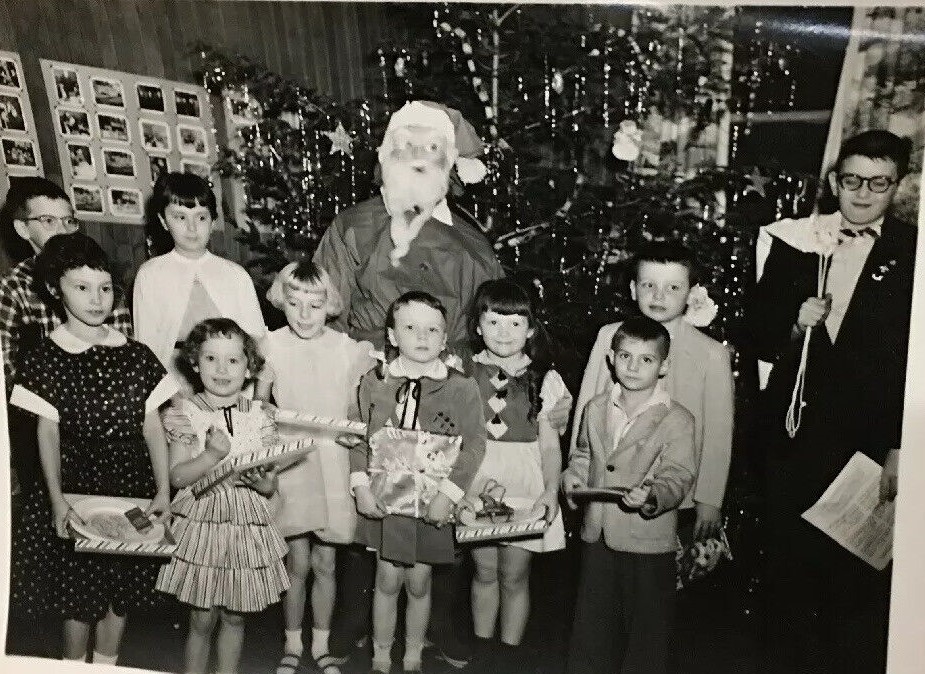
(611,494)
(282,454)
(522,521)
(322,425)
(117,526)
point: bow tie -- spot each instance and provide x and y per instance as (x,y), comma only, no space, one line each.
(849,233)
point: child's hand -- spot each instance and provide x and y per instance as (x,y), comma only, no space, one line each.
(440,510)
(550,501)
(269,409)
(393,433)
(61,513)
(708,523)
(637,496)
(814,311)
(888,478)
(367,503)
(217,443)
(262,479)
(160,504)
(569,483)
(177,426)
(558,415)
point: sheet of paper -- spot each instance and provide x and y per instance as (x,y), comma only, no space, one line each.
(850,513)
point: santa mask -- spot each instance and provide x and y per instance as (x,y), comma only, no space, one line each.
(417,155)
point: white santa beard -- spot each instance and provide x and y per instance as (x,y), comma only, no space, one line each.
(410,191)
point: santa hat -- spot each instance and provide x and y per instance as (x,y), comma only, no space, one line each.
(460,134)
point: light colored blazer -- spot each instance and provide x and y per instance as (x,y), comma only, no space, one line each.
(700,378)
(663,432)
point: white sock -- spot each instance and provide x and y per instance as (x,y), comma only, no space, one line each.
(413,654)
(294,641)
(100,659)
(319,642)
(80,658)
(382,653)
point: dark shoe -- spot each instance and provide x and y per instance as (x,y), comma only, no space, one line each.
(326,664)
(341,659)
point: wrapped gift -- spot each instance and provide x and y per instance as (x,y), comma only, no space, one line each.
(406,467)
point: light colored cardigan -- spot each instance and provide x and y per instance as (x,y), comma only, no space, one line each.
(665,431)
(699,378)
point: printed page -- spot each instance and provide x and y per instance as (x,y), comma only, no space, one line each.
(850,512)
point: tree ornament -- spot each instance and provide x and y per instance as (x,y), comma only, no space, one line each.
(340,140)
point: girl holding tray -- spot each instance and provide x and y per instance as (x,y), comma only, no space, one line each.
(96,396)
(415,390)
(229,556)
(313,369)
(522,456)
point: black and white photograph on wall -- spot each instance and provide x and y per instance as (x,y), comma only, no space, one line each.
(108,92)
(81,161)
(19,153)
(67,86)
(197,168)
(73,123)
(192,139)
(186,102)
(9,74)
(11,114)
(112,127)
(87,199)
(125,202)
(150,97)
(155,135)
(158,165)
(119,162)
(659,414)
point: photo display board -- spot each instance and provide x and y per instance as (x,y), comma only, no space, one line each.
(20,148)
(117,132)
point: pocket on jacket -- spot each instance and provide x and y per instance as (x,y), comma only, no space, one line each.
(663,527)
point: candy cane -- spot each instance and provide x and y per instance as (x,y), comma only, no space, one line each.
(477,83)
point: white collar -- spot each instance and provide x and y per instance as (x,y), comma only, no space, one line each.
(442,213)
(400,367)
(659,397)
(188,261)
(514,368)
(71,343)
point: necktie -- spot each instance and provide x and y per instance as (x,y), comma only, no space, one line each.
(850,233)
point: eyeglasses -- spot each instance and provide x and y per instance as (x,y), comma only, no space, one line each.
(877,184)
(68,223)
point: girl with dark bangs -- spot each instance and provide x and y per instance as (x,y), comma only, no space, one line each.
(522,458)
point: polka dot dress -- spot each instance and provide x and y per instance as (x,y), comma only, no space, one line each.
(100,397)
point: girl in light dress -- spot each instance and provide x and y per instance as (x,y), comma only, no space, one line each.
(229,556)
(522,455)
(96,396)
(176,290)
(313,369)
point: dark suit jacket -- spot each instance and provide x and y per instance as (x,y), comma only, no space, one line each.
(854,387)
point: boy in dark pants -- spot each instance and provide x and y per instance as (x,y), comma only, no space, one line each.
(637,438)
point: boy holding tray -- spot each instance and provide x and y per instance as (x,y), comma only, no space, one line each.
(633,437)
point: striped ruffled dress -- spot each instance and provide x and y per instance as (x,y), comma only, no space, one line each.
(229,552)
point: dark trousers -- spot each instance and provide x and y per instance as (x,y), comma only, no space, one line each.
(624,612)
(826,610)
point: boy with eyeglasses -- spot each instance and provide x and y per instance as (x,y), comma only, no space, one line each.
(827,610)
(35,210)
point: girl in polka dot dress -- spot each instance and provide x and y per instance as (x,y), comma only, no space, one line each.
(96,396)
(522,455)
(229,556)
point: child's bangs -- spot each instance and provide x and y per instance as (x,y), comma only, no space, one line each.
(506,305)
(191,201)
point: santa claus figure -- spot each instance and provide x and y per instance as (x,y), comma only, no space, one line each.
(408,238)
